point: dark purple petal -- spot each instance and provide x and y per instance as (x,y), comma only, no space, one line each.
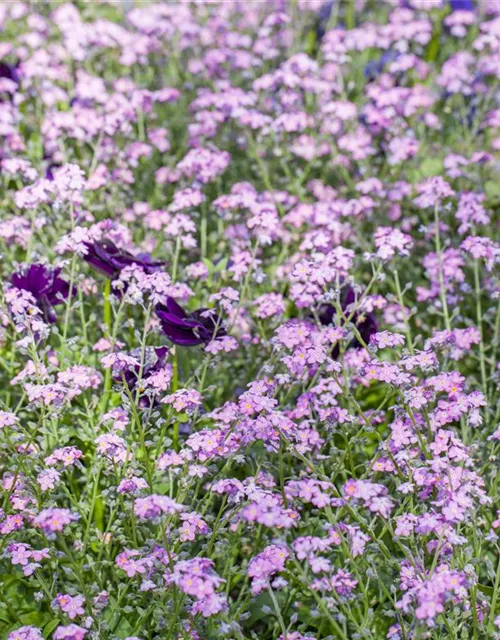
(348,297)
(161,353)
(326,313)
(366,328)
(462,5)
(185,329)
(182,337)
(59,289)
(45,284)
(174,308)
(179,322)
(366,324)
(35,279)
(99,260)
(9,71)
(107,258)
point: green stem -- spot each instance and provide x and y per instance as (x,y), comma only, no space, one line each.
(175,387)
(203,235)
(92,509)
(176,258)
(142,438)
(69,299)
(350,14)
(439,254)
(107,305)
(399,294)
(278,613)
(479,315)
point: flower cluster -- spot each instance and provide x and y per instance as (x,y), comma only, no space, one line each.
(250,320)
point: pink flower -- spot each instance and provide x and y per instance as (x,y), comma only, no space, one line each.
(154,506)
(71,605)
(26,633)
(263,566)
(71,632)
(184,400)
(54,520)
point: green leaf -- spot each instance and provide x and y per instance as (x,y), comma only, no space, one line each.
(209,265)
(99,514)
(221,265)
(488,591)
(431,167)
(50,627)
(492,189)
(311,42)
(433,49)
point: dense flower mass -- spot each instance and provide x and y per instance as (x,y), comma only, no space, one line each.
(250,320)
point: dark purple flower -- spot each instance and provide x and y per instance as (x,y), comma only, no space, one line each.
(365,323)
(107,258)
(323,19)
(375,67)
(49,171)
(9,71)
(44,284)
(189,329)
(462,5)
(154,361)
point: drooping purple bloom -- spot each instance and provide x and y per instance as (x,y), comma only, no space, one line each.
(365,323)
(44,284)
(189,329)
(107,258)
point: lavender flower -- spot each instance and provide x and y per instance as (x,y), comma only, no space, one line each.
(316,151)
(26,633)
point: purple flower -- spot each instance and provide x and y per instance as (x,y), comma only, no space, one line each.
(70,632)
(26,633)
(155,375)
(189,329)
(264,565)
(462,5)
(20,553)
(197,579)
(44,284)
(366,324)
(323,19)
(49,171)
(9,71)
(107,258)
(375,67)
(153,506)
(153,362)
(71,605)
(54,520)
